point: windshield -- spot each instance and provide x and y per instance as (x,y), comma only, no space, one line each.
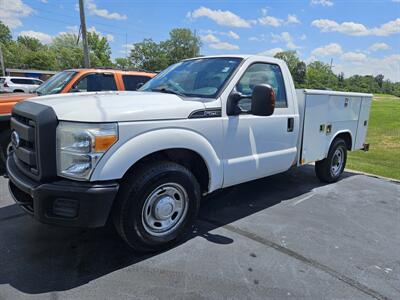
(56,83)
(202,77)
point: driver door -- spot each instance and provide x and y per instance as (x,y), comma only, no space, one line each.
(258,146)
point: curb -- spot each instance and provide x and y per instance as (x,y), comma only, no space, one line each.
(374,175)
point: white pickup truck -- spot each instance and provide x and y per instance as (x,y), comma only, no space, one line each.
(145,159)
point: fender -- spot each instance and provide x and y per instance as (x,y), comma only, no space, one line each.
(124,154)
(335,135)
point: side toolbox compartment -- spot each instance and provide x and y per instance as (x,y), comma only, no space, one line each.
(326,114)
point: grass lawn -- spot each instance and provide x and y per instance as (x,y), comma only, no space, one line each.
(383,136)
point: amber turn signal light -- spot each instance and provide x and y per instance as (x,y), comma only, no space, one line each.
(103,142)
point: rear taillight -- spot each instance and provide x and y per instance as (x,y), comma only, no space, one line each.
(5,84)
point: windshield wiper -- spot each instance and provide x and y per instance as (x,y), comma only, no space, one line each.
(168,91)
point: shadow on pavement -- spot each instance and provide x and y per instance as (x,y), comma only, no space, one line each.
(37,258)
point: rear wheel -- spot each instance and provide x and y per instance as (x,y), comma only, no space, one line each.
(330,168)
(156,206)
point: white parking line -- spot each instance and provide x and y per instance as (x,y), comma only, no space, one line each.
(302,199)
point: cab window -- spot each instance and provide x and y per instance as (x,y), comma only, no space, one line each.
(262,73)
(131,81)
(95,82)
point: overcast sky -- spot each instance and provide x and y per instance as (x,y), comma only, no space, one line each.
(362,37)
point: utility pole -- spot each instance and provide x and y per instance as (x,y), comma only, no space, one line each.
(3,69)
(86,60)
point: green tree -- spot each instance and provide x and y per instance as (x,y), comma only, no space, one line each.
(299,73)
(296,67)
(320,76)
(363,84)
(40,60)
(149,55)
(123,63)
(5,33)
(182,44)
(290,57)
(68,52)
(379,80)
(13,55)
(35,55)
(100,50)
(31,44)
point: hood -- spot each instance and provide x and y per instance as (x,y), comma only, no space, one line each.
(119,106)
(15,97)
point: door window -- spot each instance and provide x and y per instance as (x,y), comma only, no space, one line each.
(131,81)
(95,82)
(262,73)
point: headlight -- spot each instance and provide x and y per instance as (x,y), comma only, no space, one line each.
(81,145)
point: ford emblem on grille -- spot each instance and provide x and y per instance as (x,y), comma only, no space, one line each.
(15,139)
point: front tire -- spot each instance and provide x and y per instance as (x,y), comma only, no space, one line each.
(331,168)
(4,148)
(156,205)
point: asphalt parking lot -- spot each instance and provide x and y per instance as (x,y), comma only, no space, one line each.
(282,237)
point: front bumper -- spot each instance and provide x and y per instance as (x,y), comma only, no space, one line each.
(62,202)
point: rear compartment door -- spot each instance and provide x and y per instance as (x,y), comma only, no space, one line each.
(363,122)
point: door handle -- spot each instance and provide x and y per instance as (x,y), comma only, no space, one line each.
(290,124)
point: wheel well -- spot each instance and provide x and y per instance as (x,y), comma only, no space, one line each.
(4,130)
(347,138)
(188,158)
(18,91)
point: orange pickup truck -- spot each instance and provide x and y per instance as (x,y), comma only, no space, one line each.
(69,81)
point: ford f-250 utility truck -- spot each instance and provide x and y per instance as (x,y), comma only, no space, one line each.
(144,159)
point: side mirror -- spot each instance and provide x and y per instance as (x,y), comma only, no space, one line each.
(263,100)
(139,85)
(232,108)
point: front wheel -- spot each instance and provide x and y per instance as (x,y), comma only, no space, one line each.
(330,168)
(156,206)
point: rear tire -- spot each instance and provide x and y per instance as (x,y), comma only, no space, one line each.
(331,168)
(156,205)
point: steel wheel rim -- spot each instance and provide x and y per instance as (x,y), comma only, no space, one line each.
(337,162)
(165,209)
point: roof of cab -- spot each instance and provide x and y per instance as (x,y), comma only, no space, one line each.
(243,56)
(101,70)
